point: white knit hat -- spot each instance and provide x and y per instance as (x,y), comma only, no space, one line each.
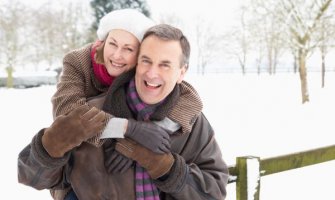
(129,20)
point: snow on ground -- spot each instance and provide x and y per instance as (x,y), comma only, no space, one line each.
(251,115)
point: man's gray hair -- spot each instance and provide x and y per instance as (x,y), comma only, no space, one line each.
(167,32)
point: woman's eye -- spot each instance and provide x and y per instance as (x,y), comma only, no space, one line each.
(112,43)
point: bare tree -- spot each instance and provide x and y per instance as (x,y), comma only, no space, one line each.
(325,34)
(11,26)
(266,32)
(47,25)
(238,41)
(75,22)
(40,36)
(298,20)
(302,18)
(207,40)
(274,45)
(295,59)
(59,31)
(260,55)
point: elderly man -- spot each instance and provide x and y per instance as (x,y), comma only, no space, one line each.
(194,169)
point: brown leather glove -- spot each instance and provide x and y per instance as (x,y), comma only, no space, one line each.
(156,164)
(69,131)
(114,161)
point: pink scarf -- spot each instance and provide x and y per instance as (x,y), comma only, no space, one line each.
(100,70)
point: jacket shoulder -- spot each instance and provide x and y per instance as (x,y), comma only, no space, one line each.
(187,108)
(81,55)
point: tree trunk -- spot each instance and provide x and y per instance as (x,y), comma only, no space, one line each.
(275,60)
(259,61)
(243,64)
(303,75)
(323,70)
(295,66)
(295,63)
(203,69)
(10,79)
(270,60)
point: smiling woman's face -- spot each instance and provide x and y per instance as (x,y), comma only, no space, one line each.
(120,52)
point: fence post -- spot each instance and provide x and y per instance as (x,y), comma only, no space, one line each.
(248,179)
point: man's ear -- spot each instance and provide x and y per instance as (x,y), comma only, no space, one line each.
(182,73)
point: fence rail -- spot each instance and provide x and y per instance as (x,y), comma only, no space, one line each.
(263,167)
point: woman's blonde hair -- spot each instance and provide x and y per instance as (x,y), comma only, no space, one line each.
(99,55)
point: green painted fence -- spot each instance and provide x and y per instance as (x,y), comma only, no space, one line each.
(251,165)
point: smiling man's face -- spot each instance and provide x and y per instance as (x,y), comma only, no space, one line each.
(159,69)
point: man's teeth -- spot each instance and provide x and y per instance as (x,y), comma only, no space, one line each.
(152,84)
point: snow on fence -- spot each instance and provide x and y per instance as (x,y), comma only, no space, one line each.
(248,170)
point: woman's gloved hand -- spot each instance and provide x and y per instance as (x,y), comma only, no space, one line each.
(69,131)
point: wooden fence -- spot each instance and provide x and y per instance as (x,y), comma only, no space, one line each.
(250,167)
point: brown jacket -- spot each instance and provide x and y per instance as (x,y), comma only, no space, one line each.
(78,83)
(199,171)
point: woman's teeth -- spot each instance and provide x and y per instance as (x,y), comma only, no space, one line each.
(117,65)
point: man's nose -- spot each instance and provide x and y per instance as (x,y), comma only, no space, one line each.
(152,71)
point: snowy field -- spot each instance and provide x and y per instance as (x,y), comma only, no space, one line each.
(251,115)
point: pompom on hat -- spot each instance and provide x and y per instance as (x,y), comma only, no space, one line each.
(130,20)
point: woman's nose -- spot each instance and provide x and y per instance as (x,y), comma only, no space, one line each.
(117,54)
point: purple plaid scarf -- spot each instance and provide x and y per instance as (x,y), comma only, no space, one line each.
(145,188)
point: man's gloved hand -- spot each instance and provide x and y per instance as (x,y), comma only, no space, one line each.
(69,131)
(114,161)
(149,135)
(156,164)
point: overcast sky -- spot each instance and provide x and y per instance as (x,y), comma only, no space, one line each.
(219,11)
(222,10)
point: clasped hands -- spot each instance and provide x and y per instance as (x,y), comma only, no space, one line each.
(144,142)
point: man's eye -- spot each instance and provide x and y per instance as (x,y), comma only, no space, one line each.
(165,65)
